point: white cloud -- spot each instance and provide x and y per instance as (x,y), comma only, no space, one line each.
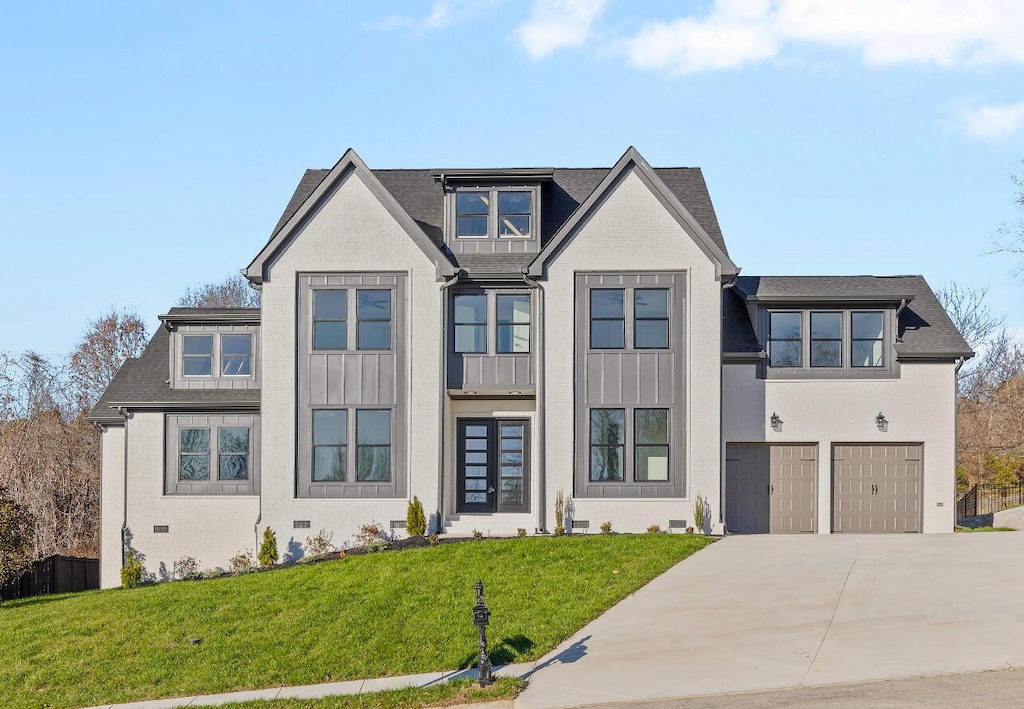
(736,32)
(993,122)
(555,24)
(945,33)
(442,14)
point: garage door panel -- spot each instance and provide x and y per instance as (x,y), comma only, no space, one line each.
(771,488)
(876,488)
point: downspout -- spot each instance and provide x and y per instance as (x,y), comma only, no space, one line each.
(124,512)
(956,429)
(540,437)
(721,402)
(443,395)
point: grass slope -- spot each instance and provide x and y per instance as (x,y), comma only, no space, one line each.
(460,691)
(385,614)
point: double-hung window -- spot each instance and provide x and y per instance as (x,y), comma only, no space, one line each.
(826,339)
(198,355)
(866,337)
(486,213)
(470,316)
(607,318)
(370,458)
(785,342)
(838,339)
(367,310)
(513,323)
(648,439)
(232,351)
(636,315)
(199,460)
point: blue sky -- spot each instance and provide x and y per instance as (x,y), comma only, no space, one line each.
(150,146)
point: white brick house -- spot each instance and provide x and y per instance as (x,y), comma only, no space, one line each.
(484,339)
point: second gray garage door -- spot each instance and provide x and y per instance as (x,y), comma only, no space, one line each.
(876,488)
(770,488)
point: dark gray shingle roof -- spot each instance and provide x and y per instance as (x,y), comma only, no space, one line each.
(422,197)
(737,333)
(144,380)
(215,311)
(924,327)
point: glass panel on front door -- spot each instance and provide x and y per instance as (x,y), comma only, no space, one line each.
(492,469)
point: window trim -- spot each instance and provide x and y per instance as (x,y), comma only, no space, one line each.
(629,318)
(452,212)
(216,356)
(888,369)
(485,324)
(799,339)
(629,446)
(499,323)
(352,446)
(185,356)
(352,319)
(812,339)
(175,423)
(880,339)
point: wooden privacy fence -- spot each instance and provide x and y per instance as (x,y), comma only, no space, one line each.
(54,574)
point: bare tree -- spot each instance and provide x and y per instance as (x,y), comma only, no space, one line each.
(16,532)
(1010,238)
(970,313)
(108,342)
(233,292)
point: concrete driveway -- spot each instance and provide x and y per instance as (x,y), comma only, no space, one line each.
(765,612)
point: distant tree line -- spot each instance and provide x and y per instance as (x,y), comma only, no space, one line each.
(49,454)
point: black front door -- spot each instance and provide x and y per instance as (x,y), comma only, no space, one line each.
(492,469)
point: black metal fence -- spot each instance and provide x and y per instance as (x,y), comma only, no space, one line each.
(54,574)
(986,498)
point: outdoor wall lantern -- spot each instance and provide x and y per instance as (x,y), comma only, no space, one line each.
(882,422)
(776,422)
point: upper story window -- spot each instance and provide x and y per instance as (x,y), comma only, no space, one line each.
(513,323)
(837,339)
(198,354)
(470,315)
(866,339)
(368,311)
(642,311)
(491,322)
(827,339)
(487,213)
(200,351)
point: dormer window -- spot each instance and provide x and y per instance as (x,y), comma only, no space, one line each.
(495,213)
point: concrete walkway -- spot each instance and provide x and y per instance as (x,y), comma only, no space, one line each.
(767,612)
(328,689)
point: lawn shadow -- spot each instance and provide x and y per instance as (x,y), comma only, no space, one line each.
(504,652)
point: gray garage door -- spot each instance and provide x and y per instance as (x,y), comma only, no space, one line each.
(876,488)
(770,488)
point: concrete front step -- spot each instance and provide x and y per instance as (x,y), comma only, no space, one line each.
(491,525)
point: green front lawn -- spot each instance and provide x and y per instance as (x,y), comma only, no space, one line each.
(986,529)
(369,616)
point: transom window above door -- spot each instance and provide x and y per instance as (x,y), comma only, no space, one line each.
(494,212)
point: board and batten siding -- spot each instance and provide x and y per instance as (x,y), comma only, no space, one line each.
(631,379)
(351,378)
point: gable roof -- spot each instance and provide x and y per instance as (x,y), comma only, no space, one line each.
(143,383)
(631,161)
(349,163)
(421,196)
(924,330)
